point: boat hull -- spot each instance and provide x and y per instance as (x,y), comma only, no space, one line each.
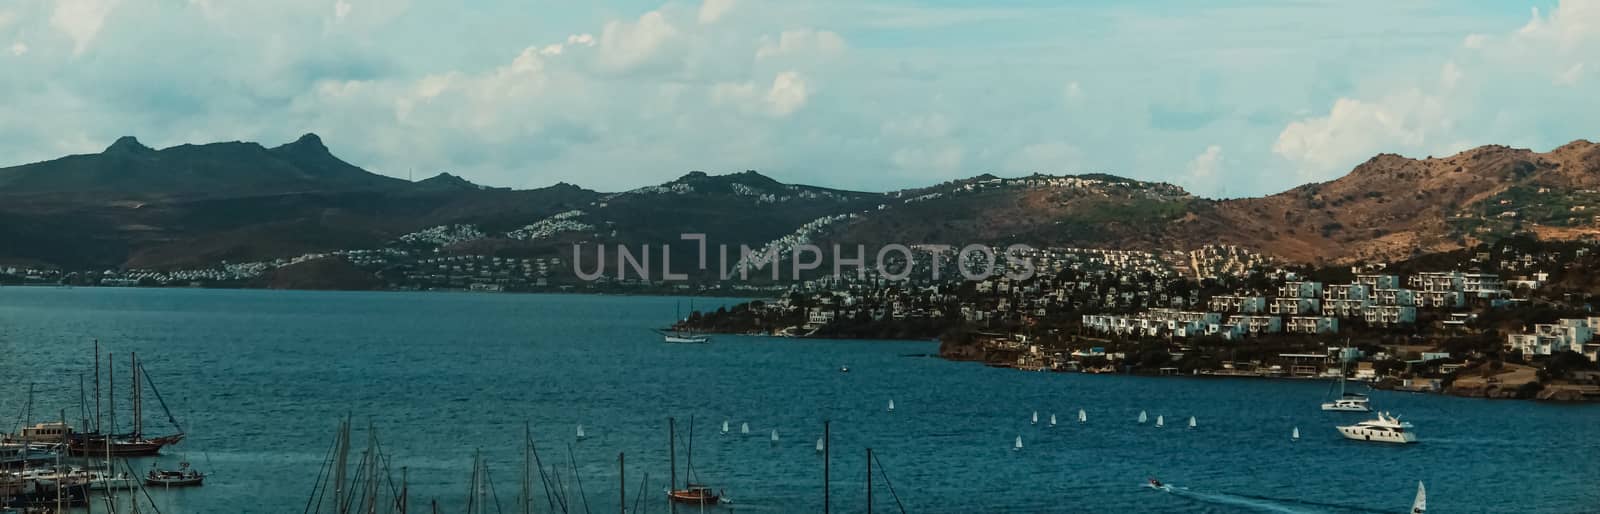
(686,339)
(96,446)
(693,498)
(1377,436)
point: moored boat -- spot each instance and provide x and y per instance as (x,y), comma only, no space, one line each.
(184,476)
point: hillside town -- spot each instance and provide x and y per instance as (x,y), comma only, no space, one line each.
(1508,308)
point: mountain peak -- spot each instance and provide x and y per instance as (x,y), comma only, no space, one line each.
(127,144)
(308,142)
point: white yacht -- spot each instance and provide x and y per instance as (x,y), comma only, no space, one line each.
(1385,429)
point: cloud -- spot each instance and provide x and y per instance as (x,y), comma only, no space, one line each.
(928,126)
(787,94)
(1449,75)
(713,10)
(1205,167)
(939,160)
(1072,93)
(19,48)
(341,8)
(1355,129)
(81,20)
(1571,76)
(626,46)
(801,41)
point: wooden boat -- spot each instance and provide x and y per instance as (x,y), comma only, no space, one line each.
(691,493)
(695,494)
(131,444)
(184,476)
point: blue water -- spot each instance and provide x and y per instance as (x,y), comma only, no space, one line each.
(260,378)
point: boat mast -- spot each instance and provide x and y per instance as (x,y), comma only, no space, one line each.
(341,502)
(672,452)
(869,480)
(111,398)
(97,386)
(138,403)
(827,446)
(622,483)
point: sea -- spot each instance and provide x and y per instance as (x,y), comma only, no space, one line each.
(260,380)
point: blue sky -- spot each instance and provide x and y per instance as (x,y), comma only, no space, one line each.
(1228,99)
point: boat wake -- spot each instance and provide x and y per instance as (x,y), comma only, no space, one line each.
(1262,503)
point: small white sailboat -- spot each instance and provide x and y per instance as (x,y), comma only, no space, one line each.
(1420,505)
(744,428)
(1052,420)
(819,445)
(891,405)
(1295,436)
(1018,446)
(581,435)
(774,437)
(1191,423)
(1035,418)
(1160,421)
(1083,417)
(1142,418)
(724,427)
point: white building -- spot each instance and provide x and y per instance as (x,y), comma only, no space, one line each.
(1258,324)
(1440,299)
(1391,314)
(1313,325)
(1402,297)
(1295,306)
(1575,334)
(1300,289)
(1373,281)
(1238,304)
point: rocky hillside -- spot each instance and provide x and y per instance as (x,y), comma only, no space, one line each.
(1391,207)
(194,205)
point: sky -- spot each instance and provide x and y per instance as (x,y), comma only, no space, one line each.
(1227,99)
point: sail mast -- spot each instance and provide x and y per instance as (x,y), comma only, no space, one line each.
(97,385)
(672,450)
(138,403)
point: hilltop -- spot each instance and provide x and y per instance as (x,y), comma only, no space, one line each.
(197,205)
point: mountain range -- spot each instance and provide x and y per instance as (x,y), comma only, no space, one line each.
(131,206)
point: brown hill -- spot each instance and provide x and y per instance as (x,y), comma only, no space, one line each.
(1391,207)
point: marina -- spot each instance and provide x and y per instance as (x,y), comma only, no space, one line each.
(266,375)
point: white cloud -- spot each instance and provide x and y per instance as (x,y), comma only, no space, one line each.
(81,20)
(713,10)
(801,41)
(1571,76)
(1205,167)
(788,93)
(341,8)
(1474,41)
(18,48)
(1449,75)
(1355,130)
(625,46)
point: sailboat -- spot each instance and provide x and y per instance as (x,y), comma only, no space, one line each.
(691,493)
(1035,418)
(744,428)
(1295,436)
(684,336)
(724,427)
(819,445)
(1142,418)
(1160,421)
(1018,446)
(1346,401)
(1420,505)
(1191,423)
(134,443)
(1052,420)
(581,435)
(774,437)
(891,405)
(1083,417)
